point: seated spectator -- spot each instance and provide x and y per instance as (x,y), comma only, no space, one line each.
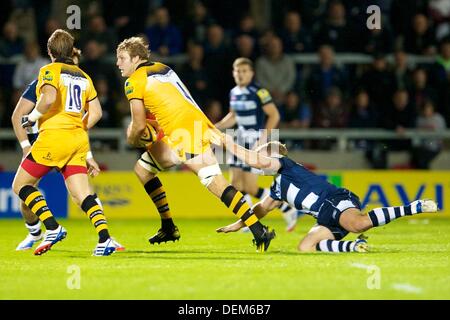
(420,39)
(11,43)
(99,32)
(109,114)
(247,27)
(165,38)
(439,11)
(197,26)
(218,60)
(400,117)
(194,74)
(296,39)
(276,71)
(335,31)
(294,113)
(324,76)
(245,47)
(213,110)
(377,40)
(401,73)
(332,112)
(28,68)
(441,68)
(379,83)
(363,115)
(429,120)
(421,91)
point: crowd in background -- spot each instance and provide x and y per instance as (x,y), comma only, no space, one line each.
(393,94)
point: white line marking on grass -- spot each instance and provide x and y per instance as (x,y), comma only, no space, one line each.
(418,221)
(360,265)
(406,287)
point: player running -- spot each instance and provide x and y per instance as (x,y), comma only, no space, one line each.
(24,106)
(65,93)
(251,109)
(337,210)
(154,88)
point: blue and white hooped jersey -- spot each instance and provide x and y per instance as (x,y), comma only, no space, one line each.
(247,103)
(300,187)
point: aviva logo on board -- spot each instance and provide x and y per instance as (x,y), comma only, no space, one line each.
(388,188)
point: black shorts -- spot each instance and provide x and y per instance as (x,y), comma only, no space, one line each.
(332,208)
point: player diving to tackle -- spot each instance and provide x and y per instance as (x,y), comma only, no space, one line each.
(65,93)
(154,88)
(337,210)
(26,139)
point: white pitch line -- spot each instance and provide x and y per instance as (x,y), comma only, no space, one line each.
(360,265)
(406,287)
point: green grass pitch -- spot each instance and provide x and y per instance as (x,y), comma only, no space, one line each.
(409,259)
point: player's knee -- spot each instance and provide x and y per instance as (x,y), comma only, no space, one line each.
(306,247)
(207,174)
(360,224)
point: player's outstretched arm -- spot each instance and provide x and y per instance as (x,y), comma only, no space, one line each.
(261,209)
(252,158)
(227,122)
(45,101)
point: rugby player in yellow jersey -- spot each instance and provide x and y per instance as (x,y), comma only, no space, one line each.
(154,88)
(64,92)
(24,106)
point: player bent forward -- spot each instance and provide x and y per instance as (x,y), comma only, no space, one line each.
(337,210)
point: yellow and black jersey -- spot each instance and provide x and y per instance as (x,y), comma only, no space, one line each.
(74,90)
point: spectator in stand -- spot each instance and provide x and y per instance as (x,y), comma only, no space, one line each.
(218,60)
(245,46)
(379,83)
(335,31)
(127,20)
(421,91)
(420,40)
(276,71)
(444,100)
(109,113)
(429,120)
(377,40)
(324,76)
(247,26)
(11,43)
(28,68)
(213,110)
(294,112)
(165,38)
(402,13)
(95,65)
(296,39)
(401,74)
(439,11)
(332,112)
(363,115)
(441,68)
(99,32)
(197,26)
(194,73)
(400,117)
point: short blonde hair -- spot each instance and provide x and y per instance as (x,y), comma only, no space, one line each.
(243,62)
(273,148)
(60,44)
(136,47)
